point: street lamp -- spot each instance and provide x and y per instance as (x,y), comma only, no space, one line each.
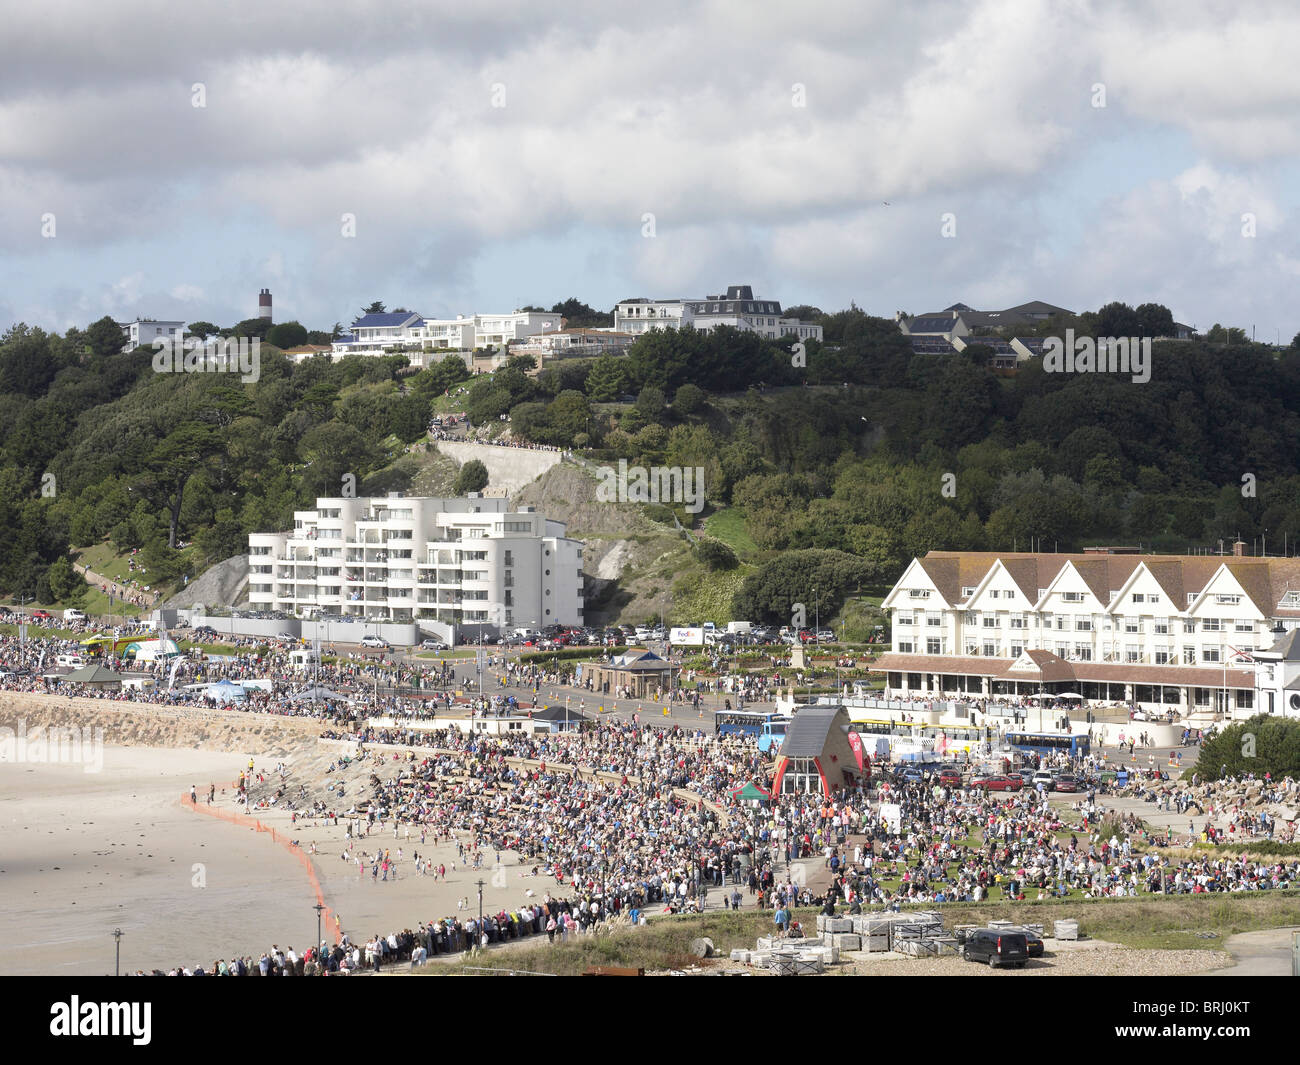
(319,909)
(117,952)
(480,908)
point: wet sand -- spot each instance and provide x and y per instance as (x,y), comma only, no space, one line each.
(84,853)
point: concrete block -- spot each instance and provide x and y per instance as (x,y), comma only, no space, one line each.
(846,941)
(1067,929)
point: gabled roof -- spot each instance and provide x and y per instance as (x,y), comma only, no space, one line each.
(932,324)
(805,736)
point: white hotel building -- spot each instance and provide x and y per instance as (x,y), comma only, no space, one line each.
(736,308)
(374,334)
(1168,632)
(403,559)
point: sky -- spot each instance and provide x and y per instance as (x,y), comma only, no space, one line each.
(171,161)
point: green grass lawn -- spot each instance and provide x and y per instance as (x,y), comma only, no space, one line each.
(728,525)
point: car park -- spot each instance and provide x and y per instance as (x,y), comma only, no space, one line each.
(995,947)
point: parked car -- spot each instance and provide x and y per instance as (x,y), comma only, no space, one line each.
(287,637)
(42,615)
(1033,941)
(825,636)
(1066,782)
(1044,778)
(374,641)
(434,645)
(950,778)
(996,947)
(1002,783)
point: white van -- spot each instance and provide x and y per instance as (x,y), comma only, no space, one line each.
(74,615)
(71,661)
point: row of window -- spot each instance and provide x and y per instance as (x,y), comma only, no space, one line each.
(1061,621)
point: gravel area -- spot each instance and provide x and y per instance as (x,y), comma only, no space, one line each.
(1115,961)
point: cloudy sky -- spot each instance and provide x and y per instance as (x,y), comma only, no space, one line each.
(501,153)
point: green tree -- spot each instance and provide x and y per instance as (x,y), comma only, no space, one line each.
(105,337)
(202,330)
(473,477)
(690,399)
(287,335)
(607,380)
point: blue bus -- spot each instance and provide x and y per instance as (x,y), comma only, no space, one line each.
(1049,743)
(742,722)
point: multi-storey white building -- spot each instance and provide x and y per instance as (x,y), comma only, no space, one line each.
(146,330)
(458,561)
(374,334)
(736,308)
(1168,632)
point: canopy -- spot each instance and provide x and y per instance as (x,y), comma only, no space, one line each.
(316,694)
(750,792)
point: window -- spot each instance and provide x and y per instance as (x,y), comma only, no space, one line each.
(905,647)
(990,622)
(919,593)
(1244,626)
(1153,598)
(1017,650)
(1017,621)
(933,621)
(1132,625)
(1189,625)
(933,647)
(1210,624)
(1229,599)
(993,593)
(1162,658)
(1160,628)
(1072,597)
(1083,652)
(903,619)
(1132,652)
(1210,654)
(967,592)
(1082,625)
(1189,656)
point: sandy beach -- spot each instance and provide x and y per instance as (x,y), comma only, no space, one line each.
(84,853)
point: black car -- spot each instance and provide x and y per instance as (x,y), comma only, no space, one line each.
(995,947)
(1032,940)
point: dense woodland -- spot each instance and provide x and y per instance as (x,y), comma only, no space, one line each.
(845,458)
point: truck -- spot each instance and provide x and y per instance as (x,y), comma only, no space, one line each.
(739,628)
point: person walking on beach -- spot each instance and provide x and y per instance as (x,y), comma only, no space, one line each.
(194,795)
(212,793)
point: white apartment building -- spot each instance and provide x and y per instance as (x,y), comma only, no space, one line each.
(375,334)
(736,308)
(1167,632)
(146,330)
(407,559)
